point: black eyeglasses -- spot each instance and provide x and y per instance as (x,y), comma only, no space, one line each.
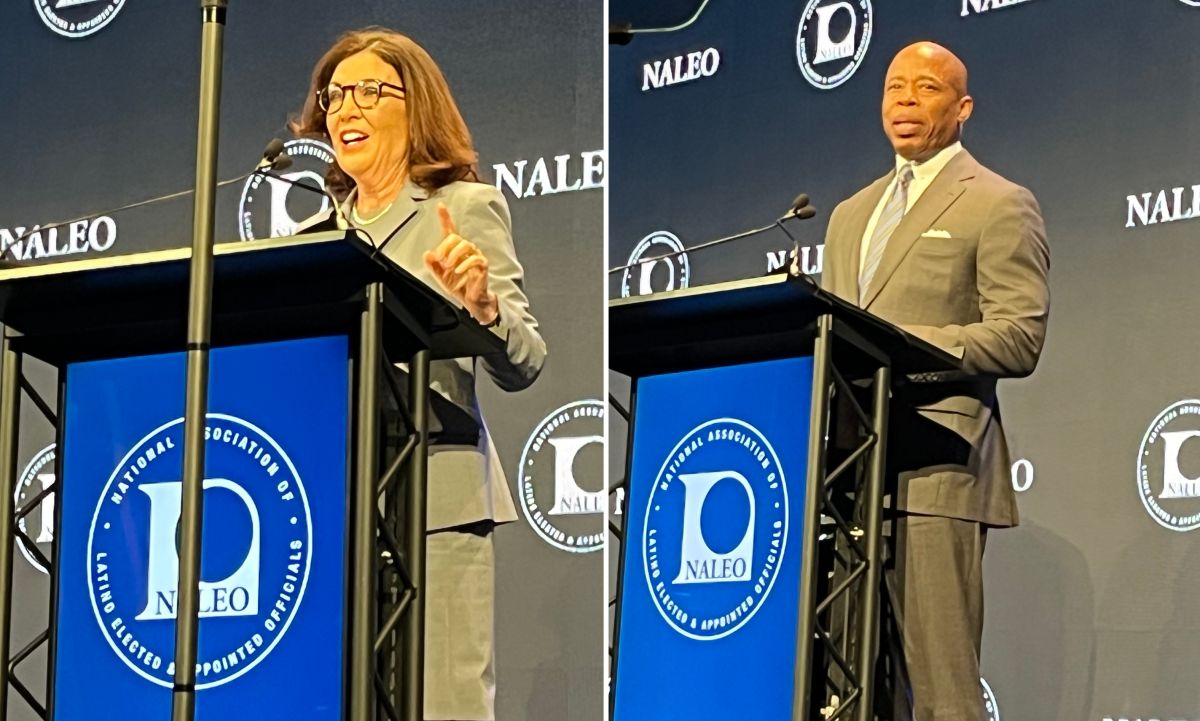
(366,94)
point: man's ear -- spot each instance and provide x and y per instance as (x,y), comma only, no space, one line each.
(966,105)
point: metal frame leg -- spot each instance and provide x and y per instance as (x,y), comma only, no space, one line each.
(618,534)
(813,501)
(10,371)
(366,465)
(868,617)
(414,624)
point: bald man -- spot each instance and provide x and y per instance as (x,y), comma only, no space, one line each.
(954,254)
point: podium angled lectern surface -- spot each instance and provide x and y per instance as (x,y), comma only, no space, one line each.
(748,574)
(313,553)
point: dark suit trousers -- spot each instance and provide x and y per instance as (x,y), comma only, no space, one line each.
(932,571)
(936,583)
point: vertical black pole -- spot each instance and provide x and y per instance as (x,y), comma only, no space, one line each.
(620,584)
(414,622)
(814,489)
(183,701)
(10,390)
(868,619)
(366,475)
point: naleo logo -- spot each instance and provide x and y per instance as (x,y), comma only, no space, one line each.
(1168,467)
(77,18)
(658,263)
(38,525)
(257,553)
(680,69)
(272,208)
(832,40)
(989,702)
(982,6)
(715,529)
(560,485)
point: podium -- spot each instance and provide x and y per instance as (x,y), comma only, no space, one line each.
(749,573)
(313,556)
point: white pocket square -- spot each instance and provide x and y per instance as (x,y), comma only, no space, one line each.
(936,233)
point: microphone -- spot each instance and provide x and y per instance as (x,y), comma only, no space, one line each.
(276,154)
(620,33)
(271,154)
(274,158)
(799,209)
(284,161)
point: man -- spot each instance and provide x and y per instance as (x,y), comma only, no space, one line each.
(956,255)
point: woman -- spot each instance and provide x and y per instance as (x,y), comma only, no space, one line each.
(403,153)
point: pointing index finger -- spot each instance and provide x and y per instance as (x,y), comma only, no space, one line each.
(447,222)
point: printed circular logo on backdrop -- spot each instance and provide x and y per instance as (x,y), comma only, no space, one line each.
(256,560)
(271,208)
(560,480)
(656,274)
(38,525)
(1193,3)
(989,702)
(716,529)
(832,40)
(1168,471)
(77,18)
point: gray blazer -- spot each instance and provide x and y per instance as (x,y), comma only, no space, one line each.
(466,481)
(977,287)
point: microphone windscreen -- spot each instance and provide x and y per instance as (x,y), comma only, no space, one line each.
(281,162)
(273,149)
(620,33)
(806,212)
(800,201)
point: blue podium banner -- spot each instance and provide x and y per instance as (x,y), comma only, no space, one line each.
(273,562)
(713,544)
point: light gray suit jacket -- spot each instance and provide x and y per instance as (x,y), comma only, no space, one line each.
(977,288)
(466,481)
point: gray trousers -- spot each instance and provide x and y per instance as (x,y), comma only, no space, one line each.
(460,671)
(935,581)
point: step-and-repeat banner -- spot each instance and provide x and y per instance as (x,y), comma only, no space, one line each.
(102,112)
(1094,106)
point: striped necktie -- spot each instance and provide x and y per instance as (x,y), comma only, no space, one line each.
(891,216)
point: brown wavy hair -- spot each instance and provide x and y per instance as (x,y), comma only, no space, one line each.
(439,144)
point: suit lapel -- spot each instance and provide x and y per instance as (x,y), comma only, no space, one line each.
(937,198)
(412,197)
(410,201)
(846,263)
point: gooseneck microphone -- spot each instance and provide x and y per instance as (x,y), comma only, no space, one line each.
(271,156)
(279,160)
(800,209)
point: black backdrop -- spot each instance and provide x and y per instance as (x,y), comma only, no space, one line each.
(107,119)
(1086,102)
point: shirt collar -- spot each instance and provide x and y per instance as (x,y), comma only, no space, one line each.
(928,170)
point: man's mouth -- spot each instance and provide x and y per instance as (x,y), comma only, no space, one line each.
(906,127)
